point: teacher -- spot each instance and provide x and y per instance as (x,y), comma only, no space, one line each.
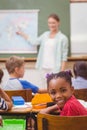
(53,46)
(53,51)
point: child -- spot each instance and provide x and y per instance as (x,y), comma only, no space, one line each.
(15,68)
(61,91)
(5,101)
(80,72)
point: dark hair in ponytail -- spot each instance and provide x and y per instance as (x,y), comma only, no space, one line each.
(63,74)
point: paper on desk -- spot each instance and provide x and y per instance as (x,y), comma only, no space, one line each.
(26,105)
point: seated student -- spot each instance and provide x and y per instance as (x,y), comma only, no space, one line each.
(15,68)
(80,72)
(61,91)
(5,101)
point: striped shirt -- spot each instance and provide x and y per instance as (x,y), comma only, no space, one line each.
(3,105)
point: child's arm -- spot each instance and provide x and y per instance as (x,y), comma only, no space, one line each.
(6,98)
(42,90)
(49,109)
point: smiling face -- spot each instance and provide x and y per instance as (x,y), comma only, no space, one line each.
(53,24)
(60,91)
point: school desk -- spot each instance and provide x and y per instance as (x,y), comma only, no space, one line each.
(18,112)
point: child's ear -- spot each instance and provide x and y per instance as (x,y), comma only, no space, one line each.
(16,69)
(72,88)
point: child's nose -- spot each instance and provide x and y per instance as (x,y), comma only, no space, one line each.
(58,95)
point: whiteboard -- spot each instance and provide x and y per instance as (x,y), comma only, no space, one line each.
(12,21)
(78,18)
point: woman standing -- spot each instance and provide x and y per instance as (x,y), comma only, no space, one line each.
(53,49)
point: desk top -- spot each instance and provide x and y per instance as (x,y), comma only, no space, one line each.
(36,110)
(26,110)
(17,111)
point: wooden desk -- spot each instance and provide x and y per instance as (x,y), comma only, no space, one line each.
(18,112)
(27,112)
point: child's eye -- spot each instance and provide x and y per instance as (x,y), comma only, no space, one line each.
(63,90)
(52,93)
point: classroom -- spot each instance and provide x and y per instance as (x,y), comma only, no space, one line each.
(43,65)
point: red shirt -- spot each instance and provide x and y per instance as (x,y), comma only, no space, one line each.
(73,108)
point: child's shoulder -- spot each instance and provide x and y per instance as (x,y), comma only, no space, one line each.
(73,107)
(72,104)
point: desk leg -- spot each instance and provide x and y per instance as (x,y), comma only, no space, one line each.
(33,121)
(28,122)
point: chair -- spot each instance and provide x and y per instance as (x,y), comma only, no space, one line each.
(81,94)
(25,93)
(51,122)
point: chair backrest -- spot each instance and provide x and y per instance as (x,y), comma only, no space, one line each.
(25,93)
(52,122)
(81,94)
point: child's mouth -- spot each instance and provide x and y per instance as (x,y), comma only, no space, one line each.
(59,102)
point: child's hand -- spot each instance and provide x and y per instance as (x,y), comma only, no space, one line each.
(48,110)
(44,111)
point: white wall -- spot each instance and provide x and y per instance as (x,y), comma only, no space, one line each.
(78,17)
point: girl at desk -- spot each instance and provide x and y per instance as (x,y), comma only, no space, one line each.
(61,91)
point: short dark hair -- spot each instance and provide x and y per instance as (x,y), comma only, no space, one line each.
(80,69)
